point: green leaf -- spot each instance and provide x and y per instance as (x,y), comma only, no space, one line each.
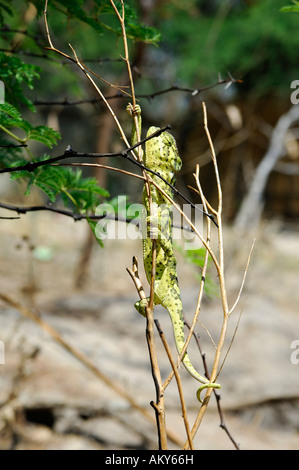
(50,192)
(290,9)
(10,117)
(11,111)
(11,158)
(15,73)
(8,152)
(82,194)
(197,257)
(100,15)
(146,34)
(93,224)
(4,9)
(45,135)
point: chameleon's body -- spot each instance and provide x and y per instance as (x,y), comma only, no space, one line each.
(161,155)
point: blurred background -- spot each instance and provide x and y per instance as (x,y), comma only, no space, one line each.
(241,59)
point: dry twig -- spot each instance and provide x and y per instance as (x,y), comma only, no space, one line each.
(81,357)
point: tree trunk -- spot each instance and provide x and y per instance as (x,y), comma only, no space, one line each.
(250,212)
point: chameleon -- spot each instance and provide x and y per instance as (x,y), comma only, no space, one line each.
(161,156)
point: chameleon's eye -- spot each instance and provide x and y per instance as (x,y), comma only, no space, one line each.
(168,140)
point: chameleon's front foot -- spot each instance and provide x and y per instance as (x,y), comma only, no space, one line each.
(207,385)
(133,110)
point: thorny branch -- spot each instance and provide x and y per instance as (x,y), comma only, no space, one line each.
(149,96)
(69,152)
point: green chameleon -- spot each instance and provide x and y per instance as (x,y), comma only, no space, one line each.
(161,155)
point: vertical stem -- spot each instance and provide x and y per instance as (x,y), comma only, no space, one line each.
(159,405)
(220,270)
(121,19)
(179,384)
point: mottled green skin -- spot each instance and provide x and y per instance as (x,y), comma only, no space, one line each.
(161,155)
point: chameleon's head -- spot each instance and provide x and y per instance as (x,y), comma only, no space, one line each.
(162,151)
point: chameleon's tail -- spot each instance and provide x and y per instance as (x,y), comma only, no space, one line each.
(175,310)
(192,371)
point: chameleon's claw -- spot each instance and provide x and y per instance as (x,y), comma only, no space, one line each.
(133,110)
(207,385)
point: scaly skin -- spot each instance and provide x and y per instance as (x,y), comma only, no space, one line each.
(161,155)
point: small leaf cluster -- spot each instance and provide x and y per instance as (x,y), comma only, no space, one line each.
(11,118)
(78,192)
(15,73)
(196,257)
(81,193)
(290,8)
(4,8)
(100,15)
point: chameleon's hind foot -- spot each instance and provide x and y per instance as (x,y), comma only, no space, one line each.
(141,305)
(207,385)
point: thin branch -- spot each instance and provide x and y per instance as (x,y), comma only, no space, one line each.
(202,282)
(231,343)
(49,208)
(46,25)
(77,217)
(222,421)
(148,96)
(216,394)
(189,222)
(159,405)
(116,87)
(103,98)
(143,167)
(69,152)
(179,383)
(136,279)
(10,146)
(220,270)
(149,310)
(243,280)
(82,67)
